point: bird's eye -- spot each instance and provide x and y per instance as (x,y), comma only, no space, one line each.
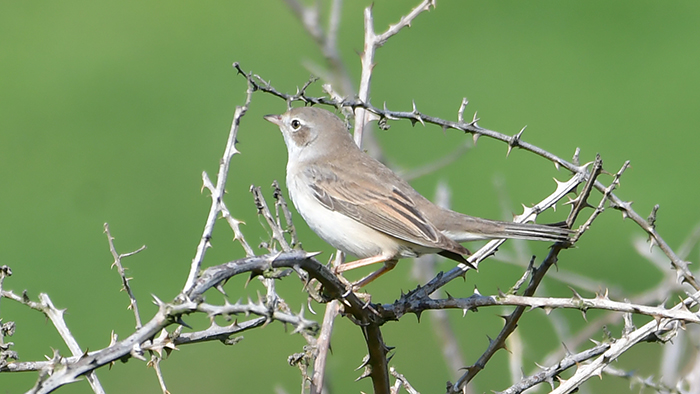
(296,124)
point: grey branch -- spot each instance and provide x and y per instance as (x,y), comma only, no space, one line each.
(217,193)
(133,305)
(372,42)
(656,328)
(550,373)
(170,313)
(601,301)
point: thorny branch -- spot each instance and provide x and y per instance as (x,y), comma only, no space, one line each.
(171,313)
(372,42)
(684,273)
(217,194)
(661,329)
(601,301)
(550,373)
(133,305)
(515,141)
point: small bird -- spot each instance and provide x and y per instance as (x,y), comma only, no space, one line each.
(358,205)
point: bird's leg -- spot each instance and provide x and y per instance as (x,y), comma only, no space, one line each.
(361,263)
(388,266)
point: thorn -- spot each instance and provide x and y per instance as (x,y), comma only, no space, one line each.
(364,374)
(365,362)
(603,295)
(416,115)
(157,300)
(250,278)
(137,352)
(575,158)
(577,296)
(308,305)
(182,322)
(514,141)
(220,288)
(566,350)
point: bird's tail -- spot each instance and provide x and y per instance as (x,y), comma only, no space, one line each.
(556,232)
(464,228)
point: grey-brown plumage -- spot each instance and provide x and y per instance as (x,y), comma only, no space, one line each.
(361,207)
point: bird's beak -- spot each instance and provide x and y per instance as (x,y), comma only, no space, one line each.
(276,119)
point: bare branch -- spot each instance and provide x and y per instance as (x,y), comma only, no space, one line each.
(550,373)
(424,269)
(511,322)
(234,223)
(56,316)
(658,329)
(401,381)
(676,262)
(217,194)
(272,222)
(372,43)
(399,308)
(7,328)
(133,305)
(323,346)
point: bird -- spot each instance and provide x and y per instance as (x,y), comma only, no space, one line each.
(361,207)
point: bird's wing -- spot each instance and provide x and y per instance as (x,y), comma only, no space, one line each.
(385,206)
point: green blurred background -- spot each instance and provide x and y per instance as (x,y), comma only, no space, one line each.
(110,111)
